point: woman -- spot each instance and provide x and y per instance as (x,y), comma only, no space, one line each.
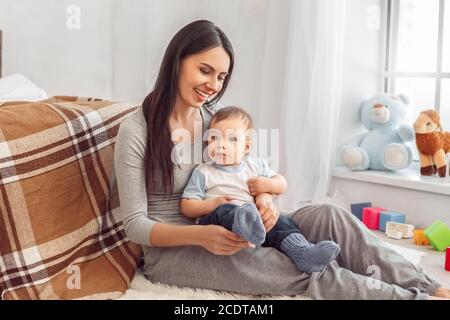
(194,74)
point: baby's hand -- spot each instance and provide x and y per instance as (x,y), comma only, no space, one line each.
(222,200)
(258,185)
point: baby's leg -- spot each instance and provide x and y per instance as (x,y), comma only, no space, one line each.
(287,238)
(222,216)
(243,220)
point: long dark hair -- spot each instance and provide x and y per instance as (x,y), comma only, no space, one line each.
(194,38)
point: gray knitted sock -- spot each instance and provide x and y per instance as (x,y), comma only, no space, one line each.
(309,257)
(248,224)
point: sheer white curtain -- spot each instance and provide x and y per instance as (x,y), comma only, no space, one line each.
(311,99)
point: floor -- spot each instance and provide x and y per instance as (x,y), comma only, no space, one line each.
(426,257)
(430,260)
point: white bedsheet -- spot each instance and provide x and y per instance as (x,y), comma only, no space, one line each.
(17,87)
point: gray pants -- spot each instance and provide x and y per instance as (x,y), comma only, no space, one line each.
(365,269)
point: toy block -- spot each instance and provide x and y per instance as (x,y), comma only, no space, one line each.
(406,230)
(439,235)
(371,217)
(447,259)
(420,238)
(433,227)
(386,216)
(394,234)
(357,208)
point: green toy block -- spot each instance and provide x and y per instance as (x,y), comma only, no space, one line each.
(433,227)
(439,235)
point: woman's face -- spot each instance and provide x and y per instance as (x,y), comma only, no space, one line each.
(202,76)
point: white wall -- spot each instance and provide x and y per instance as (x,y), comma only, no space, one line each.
(117,52)
(130,55)
(38,44)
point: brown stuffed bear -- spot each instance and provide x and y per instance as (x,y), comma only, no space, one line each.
(432,142)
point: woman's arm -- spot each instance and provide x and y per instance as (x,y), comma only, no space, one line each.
(215,239)
(129,171)
(168,235)
(194,208)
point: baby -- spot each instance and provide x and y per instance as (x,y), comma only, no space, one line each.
(222,193)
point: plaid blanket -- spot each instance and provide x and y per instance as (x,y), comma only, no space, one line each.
(60,234)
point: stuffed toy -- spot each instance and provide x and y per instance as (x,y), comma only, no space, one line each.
(432,142)
(383,147)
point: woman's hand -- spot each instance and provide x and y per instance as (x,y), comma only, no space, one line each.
(220,241)
(268,211)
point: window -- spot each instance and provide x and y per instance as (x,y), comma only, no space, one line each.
(417,54)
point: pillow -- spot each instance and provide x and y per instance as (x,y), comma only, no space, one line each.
(18,87)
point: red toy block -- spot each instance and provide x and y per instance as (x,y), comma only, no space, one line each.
(371,217)
(447,259)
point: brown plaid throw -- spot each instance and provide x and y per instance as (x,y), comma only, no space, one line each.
(60,234)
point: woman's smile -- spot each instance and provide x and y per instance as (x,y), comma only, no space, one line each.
(201,95)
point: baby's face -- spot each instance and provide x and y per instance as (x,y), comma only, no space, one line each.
(228,141)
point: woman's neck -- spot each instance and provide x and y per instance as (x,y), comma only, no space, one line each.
(183,113)
(186,118)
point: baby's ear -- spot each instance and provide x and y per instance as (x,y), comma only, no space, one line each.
(248,144)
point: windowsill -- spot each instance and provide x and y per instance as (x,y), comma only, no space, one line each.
(408,178)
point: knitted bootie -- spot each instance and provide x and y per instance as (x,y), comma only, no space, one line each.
(306,256)
(248,224)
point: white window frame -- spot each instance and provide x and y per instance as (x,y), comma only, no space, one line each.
(389,51)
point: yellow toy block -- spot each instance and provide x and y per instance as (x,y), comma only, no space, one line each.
(420,238)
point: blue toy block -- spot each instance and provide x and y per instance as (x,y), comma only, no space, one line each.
(386,216)
(357,208)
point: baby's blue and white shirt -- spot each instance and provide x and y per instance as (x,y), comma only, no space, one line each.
(211,180)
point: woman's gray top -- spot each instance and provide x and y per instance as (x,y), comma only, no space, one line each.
(139,211)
